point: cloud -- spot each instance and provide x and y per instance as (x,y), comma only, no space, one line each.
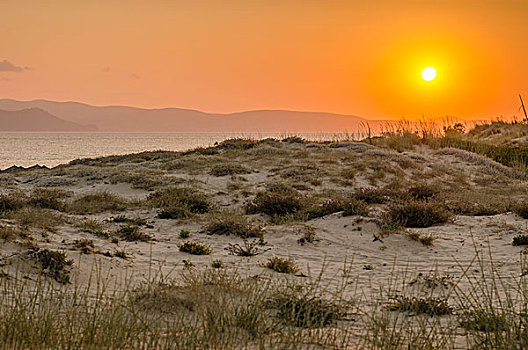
(134,76)
(6,66)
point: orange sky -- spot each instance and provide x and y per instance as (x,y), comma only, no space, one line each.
(353,57)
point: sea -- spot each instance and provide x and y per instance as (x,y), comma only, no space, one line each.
(54,148)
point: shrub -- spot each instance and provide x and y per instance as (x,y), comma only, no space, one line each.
(278,200)
(133,233)
(429,306)
(355,207)
(228,169)
(230,225)
(10,202)
(96,202)
(305,311)
(48,198)
(521,209)
(422,192)
(217,264)
(293,139)
(249,248)
(520,240)
(417,214)
(125,220)
(281,265)
(92,226)
(40,218)
(53,263)
(184,234)
(481,320)
(195,248)
(372,195)
(426,240)
(174,213)
(180,199)
(85,246)
(237,143)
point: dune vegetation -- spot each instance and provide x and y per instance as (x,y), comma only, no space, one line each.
(415,238)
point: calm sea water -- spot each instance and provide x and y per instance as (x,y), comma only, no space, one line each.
(51,149)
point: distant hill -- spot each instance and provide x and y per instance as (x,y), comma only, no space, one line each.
(122,118)
(36,119)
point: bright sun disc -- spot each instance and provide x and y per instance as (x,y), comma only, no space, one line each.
(429,73)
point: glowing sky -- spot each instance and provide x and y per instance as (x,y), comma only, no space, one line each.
(352,57)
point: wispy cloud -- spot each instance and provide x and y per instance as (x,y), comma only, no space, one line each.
(6,66)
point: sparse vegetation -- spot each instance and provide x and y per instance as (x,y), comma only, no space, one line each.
(281,265)
(429,306)
(195,248)
(417,214)
(520,240)
(179,203)
(249,248)
(133,233)
(96,202)
(232,225)
(228,169)
(54,263)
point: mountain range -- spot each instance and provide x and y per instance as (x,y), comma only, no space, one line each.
(43,115)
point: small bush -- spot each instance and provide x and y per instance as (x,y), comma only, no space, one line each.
(53,263)
(240,144)
(10,202)
(97,202)
(174,213)
(305,311)
(417,214)
(217,264)
(429,306)
(484,321)
(92,226)
(9,233)
(132,233)
(423,192)
(180,200)
(278,200)
(426,240)
(85,246)
(249,248)
(521,209)
(372,195)
(39,218)
(231,225)
(355,207)
(228,169)
(195,248)
(520,240)
(47,198)
(184,234)
(281,265)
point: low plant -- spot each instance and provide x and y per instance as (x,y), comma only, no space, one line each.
(228,169)
(217,264)
(426,240)
(482,320)
(92,226)
(195,248)
(133,233)
(85,246)
(281,265)
(249,248)
(184,234)
(10,202)
(521,209)
(355,207)
(96,202)
(178,202)
(232,225)
(429,305)
(520,240)
(47,198)
(304,310)
(423,192)
(53,263)
(417,214)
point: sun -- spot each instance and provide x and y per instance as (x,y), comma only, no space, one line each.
(429,74)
